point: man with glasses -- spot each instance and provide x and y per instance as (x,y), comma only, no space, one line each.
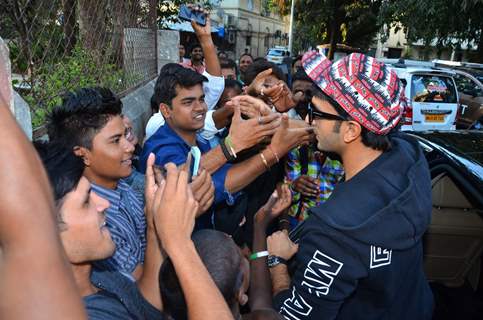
(360,253)
(310,174)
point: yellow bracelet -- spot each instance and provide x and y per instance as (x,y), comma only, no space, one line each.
(264,161)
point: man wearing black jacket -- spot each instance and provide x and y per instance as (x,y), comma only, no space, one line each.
(360,253)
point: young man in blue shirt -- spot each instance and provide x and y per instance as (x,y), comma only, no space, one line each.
(181,99)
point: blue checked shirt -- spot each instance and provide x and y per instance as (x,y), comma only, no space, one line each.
(127,223)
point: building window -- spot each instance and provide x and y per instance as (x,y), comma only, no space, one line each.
(249,40)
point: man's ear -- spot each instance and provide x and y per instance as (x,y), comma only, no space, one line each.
(83,153)
(242,297)
(165,110)
(352,131)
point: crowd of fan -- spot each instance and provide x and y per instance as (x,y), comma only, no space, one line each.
(147,238)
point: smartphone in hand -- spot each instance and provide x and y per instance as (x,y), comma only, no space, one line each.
(194,165)
(185,13)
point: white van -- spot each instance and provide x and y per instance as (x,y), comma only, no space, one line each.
(277,54)
(432,99)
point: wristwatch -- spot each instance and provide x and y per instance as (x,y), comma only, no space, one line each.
(273,261)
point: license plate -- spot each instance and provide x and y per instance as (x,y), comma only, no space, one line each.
(434,117)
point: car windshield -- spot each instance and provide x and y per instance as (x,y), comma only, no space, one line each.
(468,144)
(273,52)
(433,88)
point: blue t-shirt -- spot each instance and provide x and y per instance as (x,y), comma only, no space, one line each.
(168,146)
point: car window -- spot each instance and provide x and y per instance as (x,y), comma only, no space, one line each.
(467,86)
(278,53)
(433,88)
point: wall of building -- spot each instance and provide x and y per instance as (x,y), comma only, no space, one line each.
(255,29)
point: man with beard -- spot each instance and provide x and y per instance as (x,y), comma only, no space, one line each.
(310,174)
(360,253)
(196,62)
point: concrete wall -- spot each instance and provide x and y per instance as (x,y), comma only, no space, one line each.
(16,104)
(137,106)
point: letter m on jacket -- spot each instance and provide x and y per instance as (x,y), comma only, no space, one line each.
(320,273)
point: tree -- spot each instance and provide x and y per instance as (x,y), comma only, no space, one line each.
(448,22)
(352,22)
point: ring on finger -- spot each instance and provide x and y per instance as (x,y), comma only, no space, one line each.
(259,120)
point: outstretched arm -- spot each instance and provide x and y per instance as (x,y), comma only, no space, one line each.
(174,220)
(27,230)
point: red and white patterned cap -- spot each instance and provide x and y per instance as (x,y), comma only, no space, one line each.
(368,90)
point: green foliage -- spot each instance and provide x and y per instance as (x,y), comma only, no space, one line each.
(449,23)
(81,69)
(351,22)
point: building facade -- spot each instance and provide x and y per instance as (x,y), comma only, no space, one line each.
(249,27)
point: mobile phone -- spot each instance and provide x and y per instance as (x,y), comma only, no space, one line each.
(185,13)
(195,162)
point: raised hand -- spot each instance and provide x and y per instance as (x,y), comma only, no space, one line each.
(275,205)
(201,31)
(175,210)
(289,135)
(247,133)
(257,86)
(154,180)
(250,106)
(280,245)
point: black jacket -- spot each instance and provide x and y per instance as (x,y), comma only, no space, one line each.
(360,254)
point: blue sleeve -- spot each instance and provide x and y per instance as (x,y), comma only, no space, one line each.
(219,177)
(327,274)
(171,153)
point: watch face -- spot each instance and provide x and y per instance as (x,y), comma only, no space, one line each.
(272,261)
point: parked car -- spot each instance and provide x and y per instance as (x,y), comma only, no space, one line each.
(277,54)
(470,88)
(432,98)
(453,244)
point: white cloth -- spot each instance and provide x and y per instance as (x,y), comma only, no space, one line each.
(213,89)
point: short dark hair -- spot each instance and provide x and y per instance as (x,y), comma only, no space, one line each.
(301,75)
(228,64)
(261,65)
(63,167)
(245,54)
(222,259)
(194,46)
(368,138)
(233,84)
(82,114)
(173,75)
(297,58)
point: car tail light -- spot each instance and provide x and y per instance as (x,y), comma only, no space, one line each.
(408,115)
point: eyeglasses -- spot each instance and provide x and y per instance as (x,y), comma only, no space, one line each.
(322,115)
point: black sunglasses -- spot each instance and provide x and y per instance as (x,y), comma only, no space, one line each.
(312,112)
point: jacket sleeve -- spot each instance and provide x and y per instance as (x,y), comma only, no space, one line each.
(327,273)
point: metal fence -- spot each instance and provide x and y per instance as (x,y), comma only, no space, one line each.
(59,45)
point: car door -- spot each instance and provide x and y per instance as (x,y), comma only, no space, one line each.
(471,100)
(434,101)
